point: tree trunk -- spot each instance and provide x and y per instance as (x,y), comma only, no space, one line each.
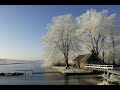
(97,52)
(66,54)
(113,42)
(67,65)
(103,50)
(66,62)
(103,56)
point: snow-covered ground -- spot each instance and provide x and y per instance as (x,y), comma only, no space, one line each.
(71,70)
(109,79)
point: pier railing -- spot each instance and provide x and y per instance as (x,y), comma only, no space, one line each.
(99,67)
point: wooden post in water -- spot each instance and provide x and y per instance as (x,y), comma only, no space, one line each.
(25,72)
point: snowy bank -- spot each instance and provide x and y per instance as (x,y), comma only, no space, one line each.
(63,70)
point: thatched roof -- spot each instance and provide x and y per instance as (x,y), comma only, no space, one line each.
(78,57)
(87,57)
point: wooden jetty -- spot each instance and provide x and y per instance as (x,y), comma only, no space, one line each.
(90,69)
(103,68)
(25,71)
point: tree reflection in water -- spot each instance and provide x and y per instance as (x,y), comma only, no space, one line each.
(66,79)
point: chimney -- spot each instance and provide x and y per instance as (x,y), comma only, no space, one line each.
(92,52)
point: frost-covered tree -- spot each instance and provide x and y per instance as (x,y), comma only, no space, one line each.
(95,25)
(93,30)
(112,38)
(61,39)
(112,44)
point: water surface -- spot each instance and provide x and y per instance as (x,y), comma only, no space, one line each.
(43,76)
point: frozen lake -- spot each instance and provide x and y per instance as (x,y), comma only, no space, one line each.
(44,77)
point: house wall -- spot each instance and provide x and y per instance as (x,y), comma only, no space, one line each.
(79,64)
(76,64)
(82,65)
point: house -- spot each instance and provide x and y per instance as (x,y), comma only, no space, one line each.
(82,60)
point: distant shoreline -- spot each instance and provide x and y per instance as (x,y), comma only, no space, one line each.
(18,63)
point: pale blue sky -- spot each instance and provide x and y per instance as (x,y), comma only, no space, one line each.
(21,26)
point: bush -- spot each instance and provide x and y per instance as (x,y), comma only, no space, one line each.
(59,64)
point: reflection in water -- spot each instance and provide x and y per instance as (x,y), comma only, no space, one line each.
(78,80)
(82,80)
(66,79)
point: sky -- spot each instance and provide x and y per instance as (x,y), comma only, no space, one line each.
(22,26)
